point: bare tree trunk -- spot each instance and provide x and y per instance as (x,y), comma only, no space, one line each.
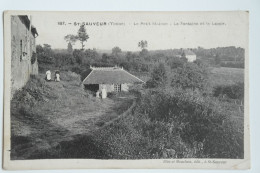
(82,46)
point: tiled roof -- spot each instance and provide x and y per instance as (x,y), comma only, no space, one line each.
(110,75)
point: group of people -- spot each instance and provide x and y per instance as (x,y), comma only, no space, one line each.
(56,78)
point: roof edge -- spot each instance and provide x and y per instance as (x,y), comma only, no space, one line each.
(133,76)
(87,76)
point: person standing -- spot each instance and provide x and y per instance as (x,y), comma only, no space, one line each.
(57,76)
(48,75)
(104,93)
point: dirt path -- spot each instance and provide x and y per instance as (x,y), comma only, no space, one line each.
(71,112)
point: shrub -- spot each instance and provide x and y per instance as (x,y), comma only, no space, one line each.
(71,77)
(196,119)
(34,91)
(234,91)
(174,124)
(111,94)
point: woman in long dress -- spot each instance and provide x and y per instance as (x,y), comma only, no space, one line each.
(48,75)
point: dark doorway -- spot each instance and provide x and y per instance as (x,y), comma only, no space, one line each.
(92,87)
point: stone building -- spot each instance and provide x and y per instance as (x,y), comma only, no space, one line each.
(112,79)
(23,48)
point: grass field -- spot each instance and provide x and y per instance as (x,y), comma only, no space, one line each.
(226,76)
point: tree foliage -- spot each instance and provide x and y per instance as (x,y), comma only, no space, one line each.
(70,49)
(191,76)
(158,77)
(143,44)
(176,62)
(115,51)
(44,54)
(82,36)
(71,38)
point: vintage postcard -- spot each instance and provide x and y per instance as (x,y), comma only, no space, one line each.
(126,90)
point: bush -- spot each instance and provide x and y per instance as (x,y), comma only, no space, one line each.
(196,119)
(111,94)
(174,124)
(34,91)
(234,91)
(71,77)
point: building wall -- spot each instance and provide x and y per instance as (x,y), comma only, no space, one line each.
(124,87)
(191,58)
(108,87)
(21,69)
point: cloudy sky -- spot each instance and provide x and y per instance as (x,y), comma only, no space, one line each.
(162,30)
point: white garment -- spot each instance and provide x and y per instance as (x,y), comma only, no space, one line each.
(104,93)
(48,75)
(57,77)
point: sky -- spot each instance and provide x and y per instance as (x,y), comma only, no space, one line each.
(162,30)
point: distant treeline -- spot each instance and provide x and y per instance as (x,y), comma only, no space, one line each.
(79,60)
(222,56)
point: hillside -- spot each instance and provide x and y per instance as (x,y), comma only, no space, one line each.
(45,114)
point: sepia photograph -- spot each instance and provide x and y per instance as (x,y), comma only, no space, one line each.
(126,90)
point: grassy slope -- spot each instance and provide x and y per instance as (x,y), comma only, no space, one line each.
(45,114)
(225,76)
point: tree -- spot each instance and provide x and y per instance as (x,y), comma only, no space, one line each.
(44,54)
(116,51)
(128,55)
(158,77)
(90,56)
(71,38)
(191,76)
(82,36)
(105,57)
(176,62)
(70,49)
(144,53)
(78,55)
(143,44)
(39,49)
(47,49)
